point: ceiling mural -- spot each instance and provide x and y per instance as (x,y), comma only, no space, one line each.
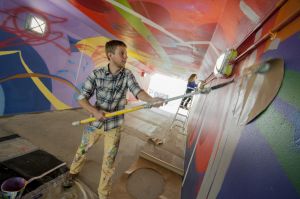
(175,38)
(169,36)
(172,37)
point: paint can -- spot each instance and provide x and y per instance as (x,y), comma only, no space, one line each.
(13,188)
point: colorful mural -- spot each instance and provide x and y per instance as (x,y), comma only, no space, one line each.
(224,158)
(258,160)
(167,37)
(273,138)
(31,79)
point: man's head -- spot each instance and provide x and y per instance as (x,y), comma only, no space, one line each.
(116,52)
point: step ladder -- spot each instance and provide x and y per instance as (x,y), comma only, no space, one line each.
(180,119)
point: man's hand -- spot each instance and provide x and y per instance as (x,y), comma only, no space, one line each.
(99,115)
(152,101)
(157,101)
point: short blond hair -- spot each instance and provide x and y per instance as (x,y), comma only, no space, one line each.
(111,46)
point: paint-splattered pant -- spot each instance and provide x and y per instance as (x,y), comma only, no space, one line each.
(111,145)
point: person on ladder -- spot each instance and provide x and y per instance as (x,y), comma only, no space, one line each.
(191,86)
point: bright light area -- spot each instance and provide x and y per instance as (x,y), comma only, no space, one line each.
(167,87)
(36,24)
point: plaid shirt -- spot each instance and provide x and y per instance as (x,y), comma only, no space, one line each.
(110,93)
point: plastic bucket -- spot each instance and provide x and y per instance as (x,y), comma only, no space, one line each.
(13,188)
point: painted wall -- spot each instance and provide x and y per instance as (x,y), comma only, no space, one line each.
(227,158)
(43,73)
(168,37)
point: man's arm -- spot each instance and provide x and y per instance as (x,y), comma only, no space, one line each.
(141,94)
(156,101)
(98,114)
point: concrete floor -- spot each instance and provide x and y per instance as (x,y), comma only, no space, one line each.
(53,132)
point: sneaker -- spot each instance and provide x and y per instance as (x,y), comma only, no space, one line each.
(69,180)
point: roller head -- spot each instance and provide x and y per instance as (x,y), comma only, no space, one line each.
(76,123)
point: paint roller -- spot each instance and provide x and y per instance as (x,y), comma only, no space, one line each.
(13,187)
(262,68)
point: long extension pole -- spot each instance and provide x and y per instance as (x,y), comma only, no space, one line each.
(262,68)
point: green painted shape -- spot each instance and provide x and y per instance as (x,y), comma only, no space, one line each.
(139,26)
(289,87)
(279,134)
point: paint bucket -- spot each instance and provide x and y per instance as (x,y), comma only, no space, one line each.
(13,188)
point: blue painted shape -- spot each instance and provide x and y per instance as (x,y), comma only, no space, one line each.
(2,100)
(65,72)
(73,42)
(288,50)
(192,183)
(254,171)
(70,61)
(291,114)
(188,153)
(22,95)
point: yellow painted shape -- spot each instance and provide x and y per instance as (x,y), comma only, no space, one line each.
(89,45)
(50,97)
